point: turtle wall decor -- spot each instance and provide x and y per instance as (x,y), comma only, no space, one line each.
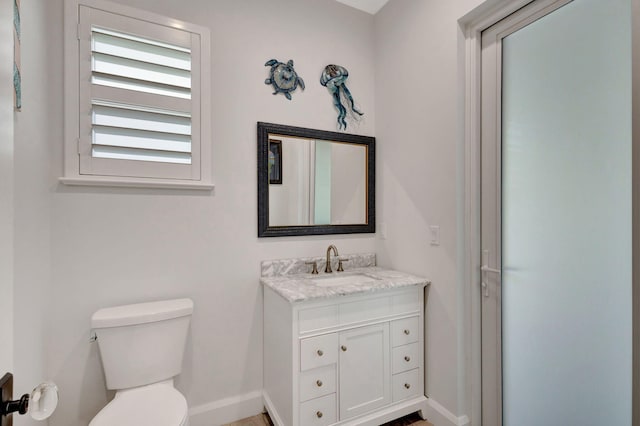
(334,78)
(283,77)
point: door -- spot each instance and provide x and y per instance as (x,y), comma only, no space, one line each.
(6,186)
(364,370)
(556,215)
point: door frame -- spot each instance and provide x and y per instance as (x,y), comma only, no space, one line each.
(471,27)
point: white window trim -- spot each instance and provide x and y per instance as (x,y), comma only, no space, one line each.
(72,102)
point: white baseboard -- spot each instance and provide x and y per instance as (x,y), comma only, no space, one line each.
(271,409)
(226,410)
(238,407)
(440,416)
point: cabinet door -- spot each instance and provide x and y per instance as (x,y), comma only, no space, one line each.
(364,370)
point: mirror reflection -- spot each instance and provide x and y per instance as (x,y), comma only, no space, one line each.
(314,182)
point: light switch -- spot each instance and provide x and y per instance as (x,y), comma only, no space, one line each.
(434,235)
(382,230)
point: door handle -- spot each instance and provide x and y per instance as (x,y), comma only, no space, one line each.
(485,269)
(40,404)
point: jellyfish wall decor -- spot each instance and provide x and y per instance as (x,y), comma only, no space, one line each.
(283,77)
(334,78)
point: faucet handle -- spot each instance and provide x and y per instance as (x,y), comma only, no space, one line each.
(340,260)
(314,268)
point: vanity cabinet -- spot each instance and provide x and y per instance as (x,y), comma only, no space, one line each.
(346,360)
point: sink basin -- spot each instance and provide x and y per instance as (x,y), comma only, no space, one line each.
(340,280)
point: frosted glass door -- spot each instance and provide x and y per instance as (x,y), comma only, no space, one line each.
(560,226)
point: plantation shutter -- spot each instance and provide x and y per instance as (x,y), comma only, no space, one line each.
(139,98)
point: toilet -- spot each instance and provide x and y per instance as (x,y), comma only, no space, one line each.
(142,347)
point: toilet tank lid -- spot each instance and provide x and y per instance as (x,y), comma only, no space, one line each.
(141,313)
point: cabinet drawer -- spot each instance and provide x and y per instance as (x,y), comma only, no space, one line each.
(319,411)
(405,357)
(317,382)
(407,385)
(405,331)
(318,351)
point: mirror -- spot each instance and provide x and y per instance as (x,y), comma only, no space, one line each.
(314,182)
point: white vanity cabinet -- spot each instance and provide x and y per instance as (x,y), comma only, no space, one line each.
(345,360)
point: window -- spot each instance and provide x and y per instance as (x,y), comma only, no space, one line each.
(137,98)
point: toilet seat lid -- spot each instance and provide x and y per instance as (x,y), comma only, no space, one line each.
(158,405)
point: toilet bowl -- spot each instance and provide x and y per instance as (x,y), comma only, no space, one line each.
(142,347)
(157,405)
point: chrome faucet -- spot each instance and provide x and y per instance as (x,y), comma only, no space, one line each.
(327,268)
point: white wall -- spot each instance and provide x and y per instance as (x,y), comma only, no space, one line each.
(6,186)
(419,138)
(34,142)
(114,246)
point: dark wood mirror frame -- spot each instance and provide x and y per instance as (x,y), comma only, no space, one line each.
(264,230)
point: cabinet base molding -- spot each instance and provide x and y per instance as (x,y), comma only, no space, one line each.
(375,418)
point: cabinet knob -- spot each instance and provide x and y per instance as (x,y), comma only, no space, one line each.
(319,352)
(406,331)
(344,348)
(407,358)
(319,383)
(319,414)
(407,385)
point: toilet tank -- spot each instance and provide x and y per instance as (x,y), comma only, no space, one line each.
(143,343)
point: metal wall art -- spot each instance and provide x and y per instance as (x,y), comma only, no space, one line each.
(283,77)
(334,78)
(17,78)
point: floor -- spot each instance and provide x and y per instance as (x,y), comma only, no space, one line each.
(264,420)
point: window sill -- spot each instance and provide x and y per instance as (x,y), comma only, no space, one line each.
(135,183)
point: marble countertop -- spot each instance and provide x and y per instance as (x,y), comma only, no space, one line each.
(300,287)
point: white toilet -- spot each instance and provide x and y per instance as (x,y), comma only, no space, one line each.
(142,347)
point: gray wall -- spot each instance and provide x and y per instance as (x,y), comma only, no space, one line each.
(419,139)
(6,186)
(115,246)
(81,249)
(35,140)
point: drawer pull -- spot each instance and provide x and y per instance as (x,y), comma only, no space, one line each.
(344,348)
(407,385)
(407,358)
(319,352)
(319,383)
(319,414)
(406,331)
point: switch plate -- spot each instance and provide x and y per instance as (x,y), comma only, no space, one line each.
(6,394)
(434,235)
(382,229)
